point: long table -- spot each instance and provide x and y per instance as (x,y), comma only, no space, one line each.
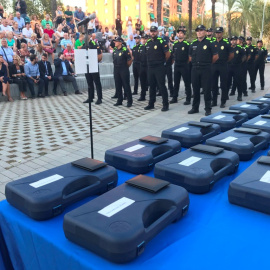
(213,235)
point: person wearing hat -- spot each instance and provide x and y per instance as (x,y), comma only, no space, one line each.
(202,54)
(136,63)
(157,52)
(260,63)
(122,60)
(181,67)
(143,67)
(252,52)
(235,67)
(219,68)
(92,78)
(210,34)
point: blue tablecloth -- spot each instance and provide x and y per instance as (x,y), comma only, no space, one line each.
(213,235)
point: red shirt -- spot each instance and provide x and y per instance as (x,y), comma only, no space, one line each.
(69,55)
(50,32)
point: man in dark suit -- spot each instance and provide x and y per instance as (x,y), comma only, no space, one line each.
(45,70)
(64,72)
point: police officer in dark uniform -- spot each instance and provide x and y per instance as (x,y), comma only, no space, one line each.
(143,67)
(252,57)
(260,63)
(122,61)
(210,34)
(168,65)
(92,78)
(202,54)
(241,41)
(181,66)
(157,52)
(136,63)
(235,67)
(219,68)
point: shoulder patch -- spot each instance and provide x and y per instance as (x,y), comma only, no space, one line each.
(208,38)
(93,42)
(124,48)
(175,42)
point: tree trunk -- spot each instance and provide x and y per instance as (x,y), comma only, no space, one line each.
(244,31)
(190,19)
(119,7)
(229,25)
(213,14)
(54,7)
(159,11)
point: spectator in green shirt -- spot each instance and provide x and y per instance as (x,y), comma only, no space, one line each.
(68,14)
(79,42)
(45,21)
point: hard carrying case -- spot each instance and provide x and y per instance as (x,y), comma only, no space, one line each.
(47,194)
(251,189)
(261,122)
(252,108)
(118,225)
(264,99)
(226,119)
(198,168)
(140,156)
(191,133)
(243,141)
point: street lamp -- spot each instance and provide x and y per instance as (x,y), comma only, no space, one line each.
(263,19)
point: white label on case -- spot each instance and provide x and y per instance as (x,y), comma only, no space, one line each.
(179,130)
(229,139)
(260,123)
(46,181)
(134,148)
(263,98)
(266,177)
(245,106)
(219,117)
(116,207)
(189,161)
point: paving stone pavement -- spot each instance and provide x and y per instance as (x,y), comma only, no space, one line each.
(40,134)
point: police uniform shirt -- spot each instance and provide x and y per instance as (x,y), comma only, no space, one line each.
(136,53)
(143,57)
(202,52)
(169,62)
(239,52)
(120,57)
(94,45)
(252,51)
(262,53)
(155,51)
(224,49)
(181,52)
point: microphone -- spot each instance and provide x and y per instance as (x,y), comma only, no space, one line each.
(87,20)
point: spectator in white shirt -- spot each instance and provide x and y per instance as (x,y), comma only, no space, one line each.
(154,23)
(91,26)
(27,31)
(5,27)
(161,29)
(107,33)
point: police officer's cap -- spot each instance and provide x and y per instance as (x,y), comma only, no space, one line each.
(145,36)
(249,38)
(209,29)
(200,27)
(219,29)
(118,39)
(258,41)
(153,28)
(234,38)
(241,38)
(137,37)
(181,29)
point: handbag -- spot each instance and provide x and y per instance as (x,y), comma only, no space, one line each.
(9,63)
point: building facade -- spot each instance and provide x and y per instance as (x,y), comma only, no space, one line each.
(146,10)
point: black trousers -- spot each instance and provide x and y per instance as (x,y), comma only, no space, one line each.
(22,83)
(67,78)
(244,77)
(251,72)
(201,77)
(119,32)
(143,80)
(156,77)
(31,85)
(184,72)
(136,75)
(235,72)
(169,78)
(46,83)
(92,78)
(220,71)
(260,68)
(122,79)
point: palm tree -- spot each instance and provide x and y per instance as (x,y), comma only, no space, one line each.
(53,7)
(119,7)
(159,11)
(190,19)
(231,9)
(201,4)
(213,14)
